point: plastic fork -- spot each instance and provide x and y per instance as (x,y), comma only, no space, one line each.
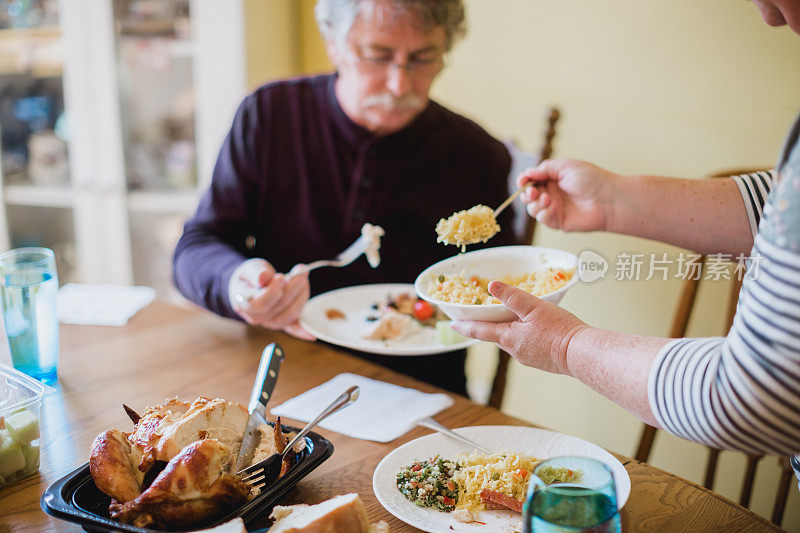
(265,472)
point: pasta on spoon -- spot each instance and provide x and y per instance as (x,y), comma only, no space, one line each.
(474,225)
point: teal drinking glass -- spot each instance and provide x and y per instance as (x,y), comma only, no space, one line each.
(28,291)
(571,494)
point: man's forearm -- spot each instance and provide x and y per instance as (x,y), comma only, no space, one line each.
(617,365)
(704,215)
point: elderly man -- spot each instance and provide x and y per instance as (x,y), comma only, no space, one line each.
(308,161)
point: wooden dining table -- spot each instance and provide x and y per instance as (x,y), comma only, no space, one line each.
(167,351)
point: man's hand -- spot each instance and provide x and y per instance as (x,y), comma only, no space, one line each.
(263,297)
(539,337)
(569,195)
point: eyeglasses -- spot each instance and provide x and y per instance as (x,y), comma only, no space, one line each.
(380,66)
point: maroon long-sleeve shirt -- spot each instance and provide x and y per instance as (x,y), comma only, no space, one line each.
(296,179)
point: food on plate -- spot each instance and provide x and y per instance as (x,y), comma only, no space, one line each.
(175,468)
(477,224)
(474,483)
(334,314)
(430,483)
(18,455)
(401,316)
(372,234)
(551,475)
(342,514)
(392,326)
(473,290)
(490,481)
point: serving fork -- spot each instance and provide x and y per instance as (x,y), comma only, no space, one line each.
(268,470)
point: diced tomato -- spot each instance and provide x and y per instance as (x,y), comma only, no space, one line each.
(451,486)
(448,501)
(559,276)
(416,468)
(423,310)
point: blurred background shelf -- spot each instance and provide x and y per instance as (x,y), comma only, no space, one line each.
(180,202)
(38,195)
(111,116)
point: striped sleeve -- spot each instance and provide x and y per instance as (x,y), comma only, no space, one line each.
(741,392)
(755,188)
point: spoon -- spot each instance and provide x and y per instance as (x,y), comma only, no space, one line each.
(511,198)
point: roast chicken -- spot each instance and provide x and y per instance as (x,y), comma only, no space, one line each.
(196,445)
(195,487)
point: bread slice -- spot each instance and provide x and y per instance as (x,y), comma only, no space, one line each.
(340,514)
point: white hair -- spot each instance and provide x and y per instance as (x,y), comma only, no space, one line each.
(336,17)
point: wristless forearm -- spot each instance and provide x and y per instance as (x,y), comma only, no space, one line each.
(617,365)
(704,215)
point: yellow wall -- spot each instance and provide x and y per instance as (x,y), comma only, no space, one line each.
(676,87)
(272,31)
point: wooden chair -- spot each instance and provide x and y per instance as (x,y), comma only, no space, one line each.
(680,321)
(524,227)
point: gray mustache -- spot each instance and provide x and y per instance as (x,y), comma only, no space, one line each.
(408,101)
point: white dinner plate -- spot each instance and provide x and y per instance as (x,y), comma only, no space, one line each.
(356,304)
(534,442)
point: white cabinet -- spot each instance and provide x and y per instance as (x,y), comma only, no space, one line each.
(111,116)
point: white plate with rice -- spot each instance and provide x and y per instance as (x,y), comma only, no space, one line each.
(534,442)
(356,304)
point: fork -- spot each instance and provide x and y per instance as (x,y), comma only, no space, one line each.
(265,472)
(430,423)
(350,254)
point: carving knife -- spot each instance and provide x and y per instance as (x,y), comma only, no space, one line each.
(266,378)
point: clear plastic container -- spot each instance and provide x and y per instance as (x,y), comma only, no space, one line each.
(20,414)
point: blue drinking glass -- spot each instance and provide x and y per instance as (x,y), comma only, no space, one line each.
(28,291)
(586,502)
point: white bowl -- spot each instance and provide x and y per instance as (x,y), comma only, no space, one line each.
(496,263)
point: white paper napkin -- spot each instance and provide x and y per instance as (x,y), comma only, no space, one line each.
(382,412)
(101,305)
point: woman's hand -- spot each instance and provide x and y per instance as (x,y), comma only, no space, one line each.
(539,337)
(263,297)
(569,195)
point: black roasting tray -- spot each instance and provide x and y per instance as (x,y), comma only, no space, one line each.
(75,498)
